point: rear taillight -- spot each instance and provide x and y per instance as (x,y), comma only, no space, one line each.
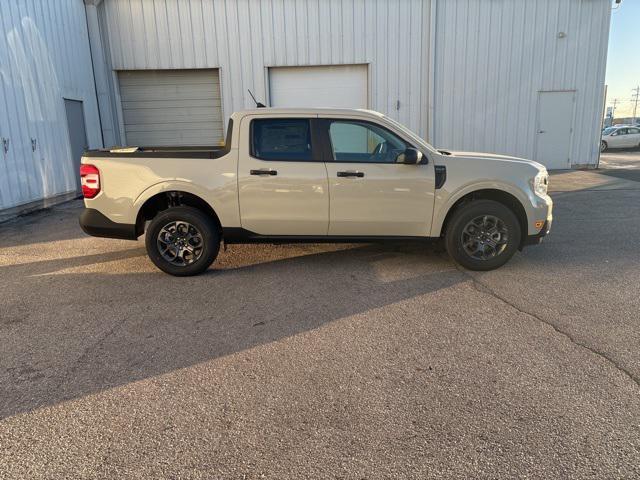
(90,180)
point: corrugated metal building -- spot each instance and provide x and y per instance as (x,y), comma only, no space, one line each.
(45,78)
(513,77)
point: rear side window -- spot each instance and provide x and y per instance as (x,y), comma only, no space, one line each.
(281,139)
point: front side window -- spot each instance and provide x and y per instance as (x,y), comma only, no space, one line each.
(286,139)
(354,141)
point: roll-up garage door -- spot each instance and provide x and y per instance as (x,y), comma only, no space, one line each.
(171,107)
(341,86)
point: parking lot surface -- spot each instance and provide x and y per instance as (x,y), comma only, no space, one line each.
(327,361)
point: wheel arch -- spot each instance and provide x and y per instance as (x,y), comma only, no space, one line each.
(155,202)
(498,195)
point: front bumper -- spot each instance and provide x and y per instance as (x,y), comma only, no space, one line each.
(96,224)
(538,237)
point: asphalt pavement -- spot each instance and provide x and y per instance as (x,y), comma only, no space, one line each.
(327,361)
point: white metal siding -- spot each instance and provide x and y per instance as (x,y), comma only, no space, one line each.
(493,57)
(44,57)
(171,107)
(242,38)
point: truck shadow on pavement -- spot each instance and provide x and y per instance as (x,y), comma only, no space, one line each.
(67,334)
(58,223)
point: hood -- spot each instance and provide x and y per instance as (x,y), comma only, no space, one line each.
(495,157)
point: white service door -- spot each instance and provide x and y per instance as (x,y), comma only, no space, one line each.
(338,86)
(555,124)
(171,107)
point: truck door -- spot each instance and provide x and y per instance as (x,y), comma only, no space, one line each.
(370,193)
(282,179)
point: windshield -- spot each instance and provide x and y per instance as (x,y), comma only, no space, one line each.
(608,130)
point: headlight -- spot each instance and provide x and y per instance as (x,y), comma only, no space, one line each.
(540,183)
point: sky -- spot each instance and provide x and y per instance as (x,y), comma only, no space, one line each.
(623,59)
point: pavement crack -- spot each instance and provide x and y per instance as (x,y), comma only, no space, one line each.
(484,288)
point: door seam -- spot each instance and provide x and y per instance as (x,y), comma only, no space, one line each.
(326,171)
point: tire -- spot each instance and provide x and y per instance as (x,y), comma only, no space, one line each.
(190,236)
(603,146)
(492,223)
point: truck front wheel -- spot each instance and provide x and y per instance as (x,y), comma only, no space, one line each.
(482,235)
(182,241)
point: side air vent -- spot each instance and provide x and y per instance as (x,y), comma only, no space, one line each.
(441,175)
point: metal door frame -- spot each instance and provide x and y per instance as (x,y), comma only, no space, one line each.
(84,122)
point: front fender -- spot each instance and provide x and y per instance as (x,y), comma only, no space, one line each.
(445,200)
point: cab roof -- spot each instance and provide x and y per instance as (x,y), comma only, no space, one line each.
(308,111)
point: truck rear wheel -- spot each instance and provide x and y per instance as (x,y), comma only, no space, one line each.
(483,235)
(182,241)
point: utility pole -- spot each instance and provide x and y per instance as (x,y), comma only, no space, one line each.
(635,98)
(613,110)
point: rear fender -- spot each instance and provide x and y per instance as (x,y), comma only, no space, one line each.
(179,186)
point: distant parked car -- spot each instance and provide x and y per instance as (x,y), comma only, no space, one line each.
(620,137)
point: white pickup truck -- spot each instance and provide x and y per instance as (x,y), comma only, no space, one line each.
(313,175)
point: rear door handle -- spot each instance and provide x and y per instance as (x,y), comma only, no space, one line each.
(351,174)
(263,171)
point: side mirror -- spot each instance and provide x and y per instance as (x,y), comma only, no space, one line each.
(410,156)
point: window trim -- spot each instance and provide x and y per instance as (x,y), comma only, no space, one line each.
(328,145)
(316,148)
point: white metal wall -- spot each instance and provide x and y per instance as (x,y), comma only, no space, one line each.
(489,58)
(493,56)
(244,37)
(44,57)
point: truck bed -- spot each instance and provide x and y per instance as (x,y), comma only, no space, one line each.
(201,151)
(194,151)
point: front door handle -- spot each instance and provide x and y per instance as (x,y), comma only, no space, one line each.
(264,171)
(351,173)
